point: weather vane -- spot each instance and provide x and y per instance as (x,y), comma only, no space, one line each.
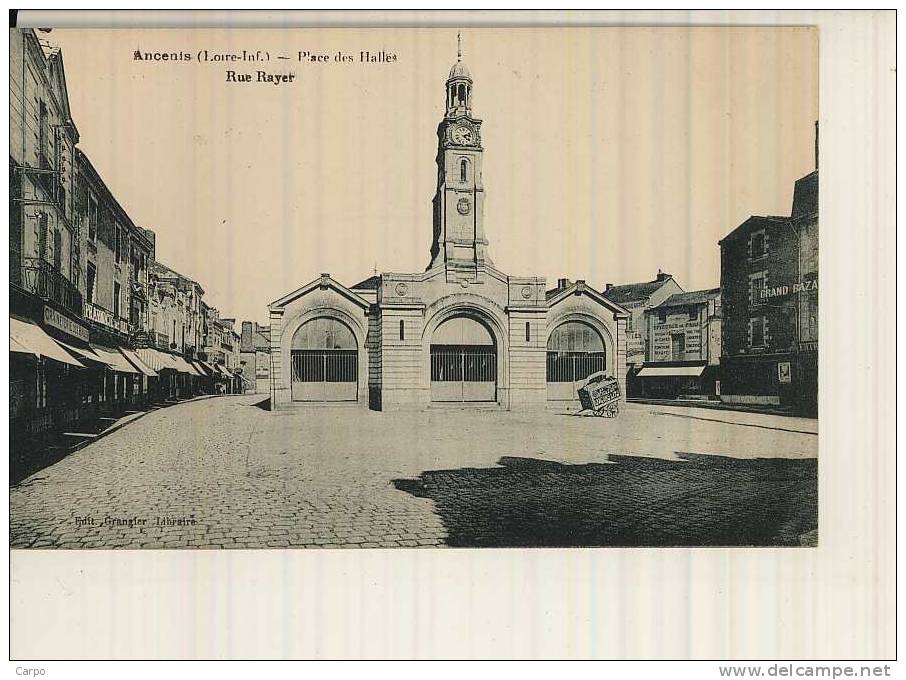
(458,46)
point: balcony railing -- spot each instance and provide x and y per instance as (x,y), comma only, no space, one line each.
(38,276)
(105,318)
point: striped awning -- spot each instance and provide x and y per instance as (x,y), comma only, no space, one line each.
(671,371)
(202,368)
(155,360)
(136,361)
(82,352)
(28,338)
(184,366)
(114,359)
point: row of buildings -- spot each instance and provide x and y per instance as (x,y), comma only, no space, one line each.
(464,331)
(754,340)
(98,325)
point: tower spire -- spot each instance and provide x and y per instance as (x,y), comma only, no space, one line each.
(458,46)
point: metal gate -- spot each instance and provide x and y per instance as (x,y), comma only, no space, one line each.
(463,373)
(325,374)
(567,370)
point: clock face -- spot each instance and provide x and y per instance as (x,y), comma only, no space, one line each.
(462,135)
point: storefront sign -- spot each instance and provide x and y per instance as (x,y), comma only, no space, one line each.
(784,372)
(781,291)
(63,323)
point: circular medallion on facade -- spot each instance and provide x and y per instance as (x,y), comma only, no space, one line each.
(402,289)
(464,283)
(526,292)
(463,206)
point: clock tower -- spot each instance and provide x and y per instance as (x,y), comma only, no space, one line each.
(459,239)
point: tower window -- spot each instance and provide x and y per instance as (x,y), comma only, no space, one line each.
(528,331)
(463,170)
(402,330)
(462,93)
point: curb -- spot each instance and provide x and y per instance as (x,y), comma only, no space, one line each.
(128,420)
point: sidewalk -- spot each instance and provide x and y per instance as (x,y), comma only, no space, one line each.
(715,406)
(65,443)
(768,421)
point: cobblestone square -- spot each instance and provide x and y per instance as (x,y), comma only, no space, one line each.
(225,473)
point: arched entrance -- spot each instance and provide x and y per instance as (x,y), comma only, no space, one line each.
(325,362)
(575,350)
(463,361)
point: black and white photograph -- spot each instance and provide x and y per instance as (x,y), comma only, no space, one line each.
(415,287)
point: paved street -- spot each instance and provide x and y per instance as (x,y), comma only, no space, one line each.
(223,472)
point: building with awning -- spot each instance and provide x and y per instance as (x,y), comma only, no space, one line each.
(29,338)
(671,371)
(136,361)
(114,359)
(682,347)
(155,360)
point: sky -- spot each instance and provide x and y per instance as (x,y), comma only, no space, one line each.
(610,153)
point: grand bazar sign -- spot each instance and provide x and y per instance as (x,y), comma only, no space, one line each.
(780,291)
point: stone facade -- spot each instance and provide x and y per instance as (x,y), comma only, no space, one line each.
(769,291)
(462,331)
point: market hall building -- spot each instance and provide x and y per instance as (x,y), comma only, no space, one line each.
(460,332)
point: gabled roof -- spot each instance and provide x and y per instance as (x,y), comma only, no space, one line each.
(632,292)
(371,283)
(324,282)
(694,297)
(754,222)
(582,288)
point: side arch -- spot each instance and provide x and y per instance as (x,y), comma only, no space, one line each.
(291,327)
(567,370)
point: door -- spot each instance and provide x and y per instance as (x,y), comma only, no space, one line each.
(575,350)
(678,346)
(463,362)
(325,362)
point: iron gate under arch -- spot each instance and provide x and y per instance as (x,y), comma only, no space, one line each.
(324,362)
(463,362)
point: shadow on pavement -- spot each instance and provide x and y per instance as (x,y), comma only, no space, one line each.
(699,500)
(264,404)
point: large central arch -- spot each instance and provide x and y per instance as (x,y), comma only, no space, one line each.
(465,347)
(463,361)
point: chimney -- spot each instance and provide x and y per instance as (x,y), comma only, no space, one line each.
(562,283)
(607,287)
(662,276)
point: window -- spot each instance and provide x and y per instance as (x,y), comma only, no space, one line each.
(757,332)
(91,275)
(662,316)
(402,330)
(92,218)
(43,159)
(528,331)
(629,324)
(463,170)
(118,244)
(757,245)
(757,283)
(116,299)
(693,314)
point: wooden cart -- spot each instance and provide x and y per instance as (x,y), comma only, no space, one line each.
(601,395)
